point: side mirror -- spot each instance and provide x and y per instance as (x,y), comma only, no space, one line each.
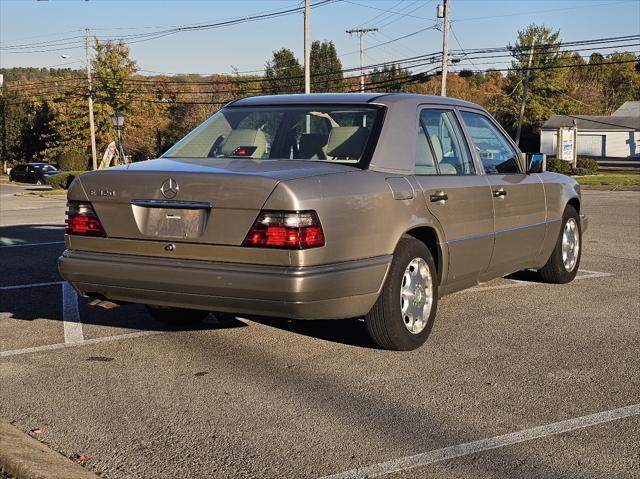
(536,162)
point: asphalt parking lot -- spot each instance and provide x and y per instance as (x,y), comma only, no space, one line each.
(518,379)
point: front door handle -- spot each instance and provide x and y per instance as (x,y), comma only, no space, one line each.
(440,197)
(501,193)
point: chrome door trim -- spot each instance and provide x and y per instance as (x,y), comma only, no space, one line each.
(505,230)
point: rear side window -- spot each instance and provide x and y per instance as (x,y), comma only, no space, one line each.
(441,148)
(495,151)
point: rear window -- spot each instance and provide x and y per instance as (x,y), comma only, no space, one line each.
(315,133)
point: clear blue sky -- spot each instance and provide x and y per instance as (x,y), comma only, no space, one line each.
(476,23)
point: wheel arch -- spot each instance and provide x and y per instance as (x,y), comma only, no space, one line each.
(575,202)
(431,238)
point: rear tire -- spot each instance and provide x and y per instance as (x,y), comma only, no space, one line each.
(39,182)
(562,266)
(404,313)
(177,316)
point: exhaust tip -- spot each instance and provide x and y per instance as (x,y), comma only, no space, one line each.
(103,303)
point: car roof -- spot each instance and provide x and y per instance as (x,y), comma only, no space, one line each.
(348,98)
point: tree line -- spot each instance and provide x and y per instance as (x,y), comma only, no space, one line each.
(44,111)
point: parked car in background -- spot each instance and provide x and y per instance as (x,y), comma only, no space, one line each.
(323,206)
(36,173)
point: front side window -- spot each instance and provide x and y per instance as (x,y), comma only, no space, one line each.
(314,132)
(495,151)
(441,148)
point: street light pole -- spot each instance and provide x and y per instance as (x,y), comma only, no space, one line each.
(307,47)
(94,157)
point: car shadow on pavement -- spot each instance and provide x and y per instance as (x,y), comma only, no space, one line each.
(30,234)
(45,304)
(351,332)
(526,275)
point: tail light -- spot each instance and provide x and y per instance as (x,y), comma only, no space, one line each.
(284,229)
(82,220)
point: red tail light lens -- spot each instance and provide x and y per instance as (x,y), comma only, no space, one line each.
(288,230)
(82,220)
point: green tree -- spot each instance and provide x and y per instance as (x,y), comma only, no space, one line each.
(620,82)
(283,74)
(38,132)
(14,114)
(326,68)
(390,78)
(547,87)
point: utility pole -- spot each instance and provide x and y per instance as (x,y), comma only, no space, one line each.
(307,47)
(94,158)
(443,12)
(3,160)
(524,92)
(361,33)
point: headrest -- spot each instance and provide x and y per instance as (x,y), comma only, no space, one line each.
(424,157)
(347,141)
(437,147)
(245,138)
(311,146)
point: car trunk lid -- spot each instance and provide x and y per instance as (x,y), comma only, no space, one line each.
(212,201)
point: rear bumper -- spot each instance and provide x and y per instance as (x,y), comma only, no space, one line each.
(340,290)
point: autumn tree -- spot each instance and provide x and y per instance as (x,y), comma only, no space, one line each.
(113,68)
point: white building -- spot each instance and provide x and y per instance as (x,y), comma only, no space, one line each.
(615,136)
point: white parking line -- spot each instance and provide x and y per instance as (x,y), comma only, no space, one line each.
(23,245)
(517,283)
(460,450)
(84,342)
(32,285)
(71,315)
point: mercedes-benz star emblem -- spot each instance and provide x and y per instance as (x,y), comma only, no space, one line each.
(169,188)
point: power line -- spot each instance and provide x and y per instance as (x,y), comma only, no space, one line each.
(491,17)
(58,45)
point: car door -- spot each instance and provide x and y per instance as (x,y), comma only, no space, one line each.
(455,194)
(29,174)
(518,198)
(16,172)
(22,174)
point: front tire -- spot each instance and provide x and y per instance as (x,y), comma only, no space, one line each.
(177,316)
(403,315)
(562,266)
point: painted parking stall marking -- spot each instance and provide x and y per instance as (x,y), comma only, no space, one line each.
(71,315)
(25,245)
(517,283)
(460,450)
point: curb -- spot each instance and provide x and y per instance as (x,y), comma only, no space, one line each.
(23,457)
(611,187)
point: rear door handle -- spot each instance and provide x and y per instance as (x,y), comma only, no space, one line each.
(501,193)
(439,197)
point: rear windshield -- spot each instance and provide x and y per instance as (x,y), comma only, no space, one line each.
(314,132)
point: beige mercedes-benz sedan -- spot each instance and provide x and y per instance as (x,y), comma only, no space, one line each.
(323,206)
